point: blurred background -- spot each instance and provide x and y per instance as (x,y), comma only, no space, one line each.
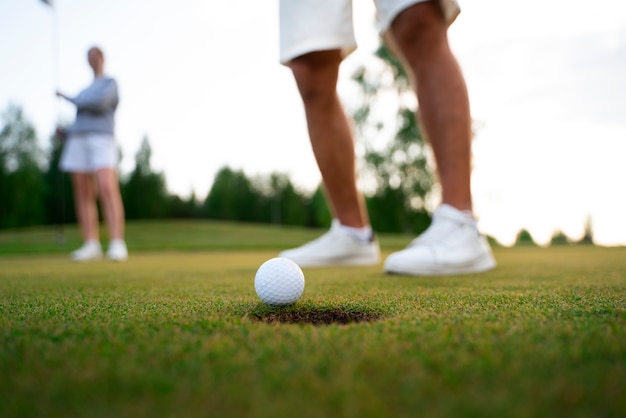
(203,98)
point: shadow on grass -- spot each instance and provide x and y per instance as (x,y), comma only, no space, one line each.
(297,314)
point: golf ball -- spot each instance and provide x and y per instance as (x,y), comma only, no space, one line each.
(279,281)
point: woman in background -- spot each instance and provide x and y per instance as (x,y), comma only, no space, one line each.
(91,156)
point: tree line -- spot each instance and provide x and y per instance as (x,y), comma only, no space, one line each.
(33,191)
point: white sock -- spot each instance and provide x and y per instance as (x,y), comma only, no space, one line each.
(362,234)
(464,216)
(92,243)
(115,242)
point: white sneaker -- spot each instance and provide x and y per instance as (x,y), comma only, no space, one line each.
(451,245)
(91,250)
(335,248)
(117,250)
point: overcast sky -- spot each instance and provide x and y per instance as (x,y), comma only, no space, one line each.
(201,80)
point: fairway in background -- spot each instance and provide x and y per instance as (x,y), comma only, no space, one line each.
(175,236)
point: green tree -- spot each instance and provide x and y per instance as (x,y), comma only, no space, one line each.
(22,187)
(145,193)
(231,197)
(318,208)
(559,238)
(185,209)
(280,202)
(399,171)
(524,238)
(588,236)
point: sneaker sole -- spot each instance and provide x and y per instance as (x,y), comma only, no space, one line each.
(338,262)
(482,264)
(118,259)
(87,259)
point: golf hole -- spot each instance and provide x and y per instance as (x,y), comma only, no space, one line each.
(314,316)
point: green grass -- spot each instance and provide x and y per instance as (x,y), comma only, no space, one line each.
(174,236)
(180,333)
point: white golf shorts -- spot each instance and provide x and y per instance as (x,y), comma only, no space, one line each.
(89,152)
(320,25)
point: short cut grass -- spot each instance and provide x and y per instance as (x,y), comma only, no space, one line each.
(177,331)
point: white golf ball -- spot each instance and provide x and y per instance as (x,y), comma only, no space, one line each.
(279,281)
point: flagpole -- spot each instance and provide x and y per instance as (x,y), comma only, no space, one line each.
(55,40)
(57,134)
(59,137)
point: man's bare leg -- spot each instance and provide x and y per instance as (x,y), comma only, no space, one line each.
(452,243)
(331,137)
(420,33)
(351,242)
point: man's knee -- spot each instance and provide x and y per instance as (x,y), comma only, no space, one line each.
(419,28)
(316,73)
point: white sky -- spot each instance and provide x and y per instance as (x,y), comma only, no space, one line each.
(201,79)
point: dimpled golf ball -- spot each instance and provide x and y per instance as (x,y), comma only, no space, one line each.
(279,281)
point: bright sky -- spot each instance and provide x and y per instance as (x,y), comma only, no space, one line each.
(201,79)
